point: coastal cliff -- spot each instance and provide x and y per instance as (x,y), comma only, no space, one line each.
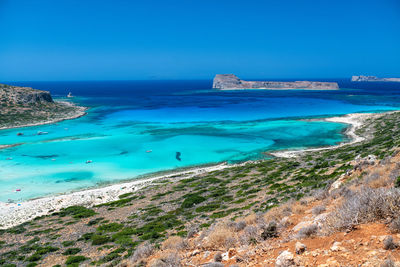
(25,106)
(232,82)
(15,95)
(363,78)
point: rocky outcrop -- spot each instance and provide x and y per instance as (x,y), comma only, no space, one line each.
(363,78)
(232,82)
(15,95)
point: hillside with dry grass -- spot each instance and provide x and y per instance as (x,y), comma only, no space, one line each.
(335,207)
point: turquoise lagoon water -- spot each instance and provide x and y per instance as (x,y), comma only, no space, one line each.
(205,126)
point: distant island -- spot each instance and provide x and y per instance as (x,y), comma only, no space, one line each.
(363,78)
(24,106)
(232,82)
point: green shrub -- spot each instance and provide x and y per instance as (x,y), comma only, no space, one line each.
(111,227)
(77,212)
(68,243)
(99,239)
(75,259)
(72,251)
(208,208)
(397,182)
(34,257)
(191,200)
(95,221)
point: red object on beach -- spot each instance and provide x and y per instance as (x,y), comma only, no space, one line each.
(18,190)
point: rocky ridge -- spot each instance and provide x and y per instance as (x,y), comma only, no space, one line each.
(363,78)
(16,95)
(232,82)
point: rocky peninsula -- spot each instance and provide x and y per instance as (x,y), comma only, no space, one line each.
(363,78)
(25,106)
(232,82)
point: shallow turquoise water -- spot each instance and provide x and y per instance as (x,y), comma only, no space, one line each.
(118,133)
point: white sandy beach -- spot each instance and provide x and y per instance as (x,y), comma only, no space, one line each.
(12,214)
(355,120)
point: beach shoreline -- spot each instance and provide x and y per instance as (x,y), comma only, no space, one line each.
(354,120)
(12,214)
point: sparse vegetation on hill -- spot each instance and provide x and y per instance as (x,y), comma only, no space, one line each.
(327,206)
(21,106)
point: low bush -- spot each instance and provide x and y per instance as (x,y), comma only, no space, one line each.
(192,230)
(77,212)
(110,227)
(220,237)
(318,210)
(167,260)
(395,225)
(218,257)
(389,244)
(72,251)
(238,226)
(99,239)
(270,231)
(174,242)
(249,235)
(68,243)
(144,250)
(307,231)
(366,205)
(75,259)
(191,200)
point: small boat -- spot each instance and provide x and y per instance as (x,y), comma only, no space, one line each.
(9,158)
(149,151)
(70,95)
(19,134)
(88,161)
(53,159)
(18,190)
(41,133)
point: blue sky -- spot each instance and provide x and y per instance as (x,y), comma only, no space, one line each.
(188,39)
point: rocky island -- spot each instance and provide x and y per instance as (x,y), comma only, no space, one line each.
(24,106)
(232,82)
(363,78)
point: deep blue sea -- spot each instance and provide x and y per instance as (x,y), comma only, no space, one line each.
(136,128)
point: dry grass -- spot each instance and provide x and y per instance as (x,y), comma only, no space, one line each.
(251,219)
(365,205)
(277,213)
(174,243)
(220,237)
(298,208)
(166,259)
(142,252)
(378,179)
